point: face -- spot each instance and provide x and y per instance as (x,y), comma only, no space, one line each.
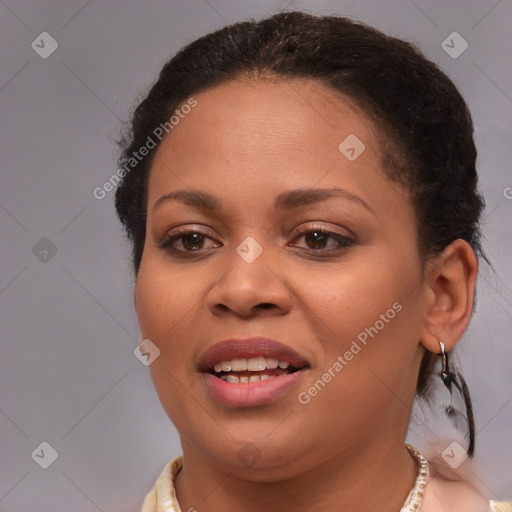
(286,233)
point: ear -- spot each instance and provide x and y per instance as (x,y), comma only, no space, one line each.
(450,291)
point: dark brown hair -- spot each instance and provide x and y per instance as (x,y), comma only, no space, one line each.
(424,124)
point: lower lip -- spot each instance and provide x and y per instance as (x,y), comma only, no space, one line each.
(251,394)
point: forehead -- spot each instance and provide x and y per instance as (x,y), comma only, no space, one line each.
(258,137)
(295,115)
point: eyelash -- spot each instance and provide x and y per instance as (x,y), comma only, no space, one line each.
(342,241)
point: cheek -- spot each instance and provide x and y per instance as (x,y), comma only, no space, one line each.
(361,295)
(163,297)
(368,315)
(373,322)
(152,301)
(162,305)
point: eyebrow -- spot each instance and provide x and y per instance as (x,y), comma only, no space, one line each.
(289,200)
(304,197)
(194,198)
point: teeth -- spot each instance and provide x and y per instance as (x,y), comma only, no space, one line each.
(256,364)
(238,365)
(271,363)
(244,380)
(253,364)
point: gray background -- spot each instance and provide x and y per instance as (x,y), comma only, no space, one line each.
(68,374)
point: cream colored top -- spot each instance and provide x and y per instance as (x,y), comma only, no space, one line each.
(162,497)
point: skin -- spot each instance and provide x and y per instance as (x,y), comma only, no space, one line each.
(246,142)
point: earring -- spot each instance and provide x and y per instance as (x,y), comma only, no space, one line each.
(446,375)
(448,378)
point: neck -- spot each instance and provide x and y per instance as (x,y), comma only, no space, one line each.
(372,477)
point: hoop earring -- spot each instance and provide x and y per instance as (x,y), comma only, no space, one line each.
(446,375)
(450,378)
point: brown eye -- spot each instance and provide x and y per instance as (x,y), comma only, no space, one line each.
(318,239)
(192,241)
(187,241)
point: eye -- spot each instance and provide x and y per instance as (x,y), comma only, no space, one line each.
(321,238)
(186,240)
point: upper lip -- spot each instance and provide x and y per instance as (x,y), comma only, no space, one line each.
(246,348)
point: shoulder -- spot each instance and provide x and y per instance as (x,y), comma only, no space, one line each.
(501,506)
(149,504)
(448,491)
(443,495)
(162,493)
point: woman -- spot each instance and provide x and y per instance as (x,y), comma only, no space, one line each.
(301,196)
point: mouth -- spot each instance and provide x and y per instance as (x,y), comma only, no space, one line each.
(254,369)
(249,372)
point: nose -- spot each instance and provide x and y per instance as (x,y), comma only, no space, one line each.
(250,289)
